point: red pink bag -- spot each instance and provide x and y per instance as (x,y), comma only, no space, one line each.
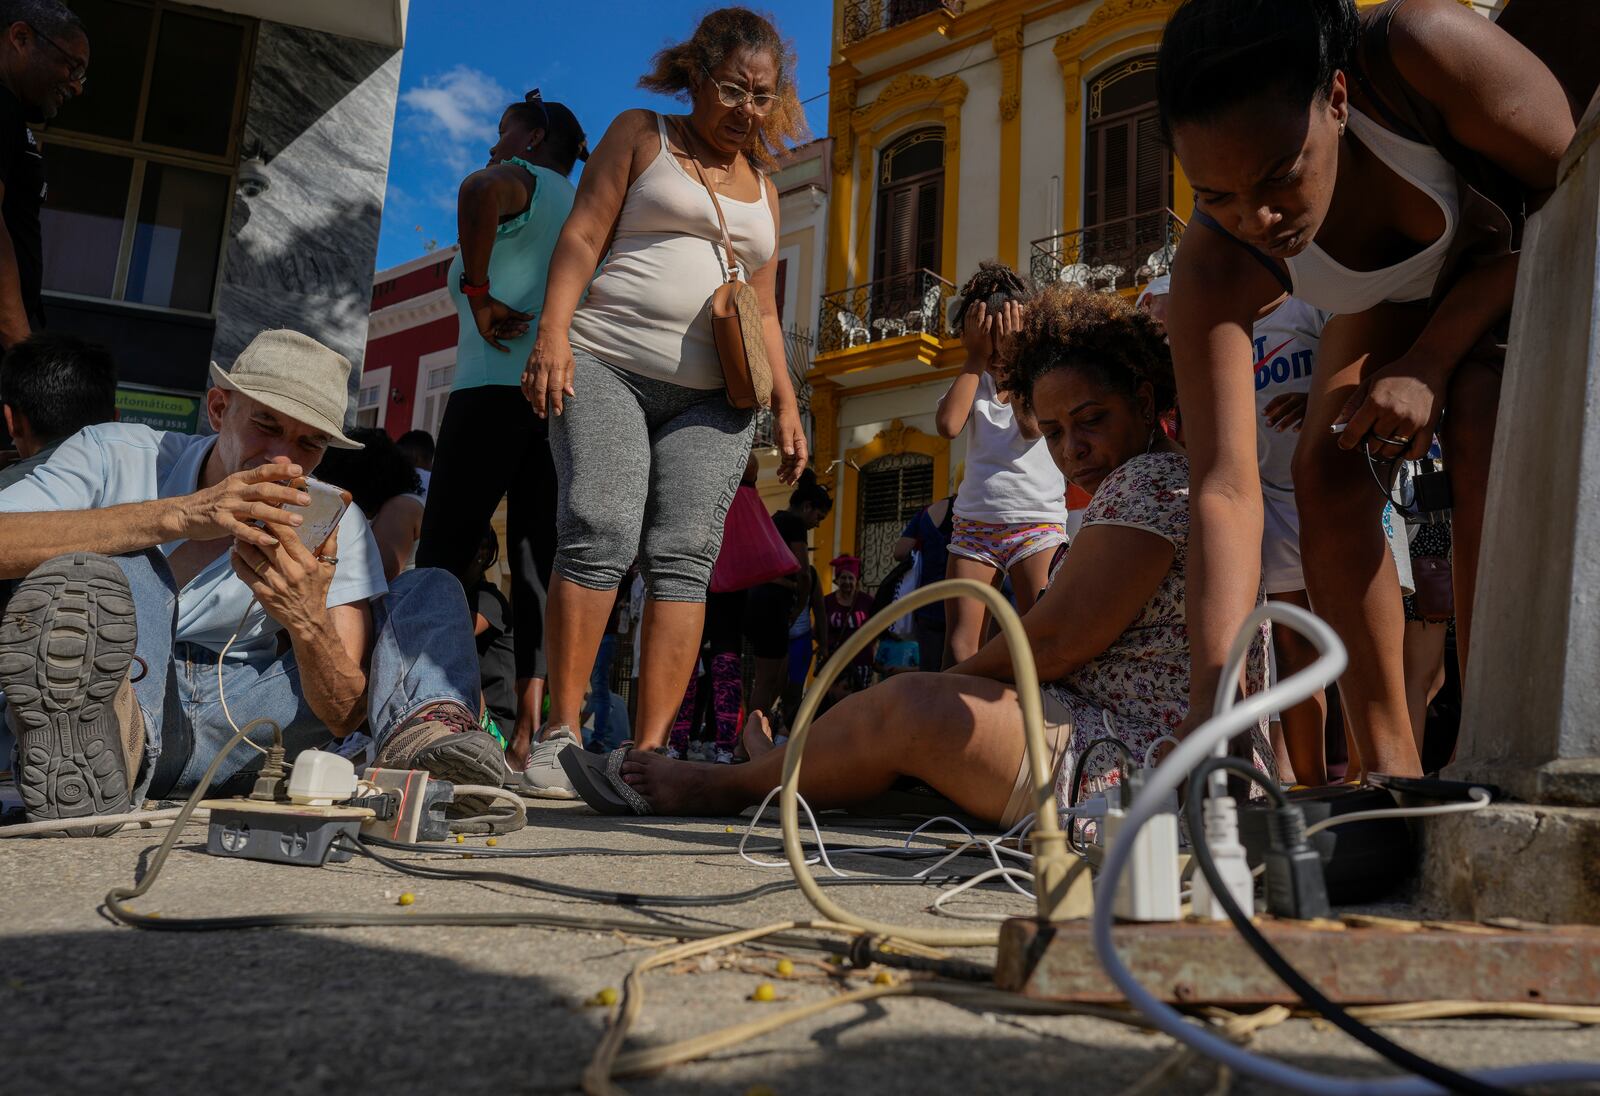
(753,551)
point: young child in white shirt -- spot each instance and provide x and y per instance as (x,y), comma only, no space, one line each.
(1010,512)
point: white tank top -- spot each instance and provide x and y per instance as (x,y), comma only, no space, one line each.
(1324,283)
(1009,479)
(648,308)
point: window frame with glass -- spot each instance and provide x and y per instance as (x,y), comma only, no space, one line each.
(141,154)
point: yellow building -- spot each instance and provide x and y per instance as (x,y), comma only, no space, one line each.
(1023,130)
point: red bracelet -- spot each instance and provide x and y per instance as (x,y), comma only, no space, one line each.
(470,290)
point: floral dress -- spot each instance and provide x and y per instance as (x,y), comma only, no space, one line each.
(1138,689)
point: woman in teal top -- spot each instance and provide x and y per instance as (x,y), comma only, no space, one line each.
(491,445)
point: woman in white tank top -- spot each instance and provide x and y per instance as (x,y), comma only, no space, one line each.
(647,449)
(1324,146)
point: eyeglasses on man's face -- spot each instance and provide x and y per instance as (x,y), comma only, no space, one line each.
(733,95)
(78,71)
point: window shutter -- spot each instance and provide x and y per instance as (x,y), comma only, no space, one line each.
(1092,180)
(1118,173)
(1127,169)
(930,219)
(896,230)
(910,206)
(1152,166)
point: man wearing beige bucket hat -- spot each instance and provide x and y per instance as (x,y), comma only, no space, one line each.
(174,555)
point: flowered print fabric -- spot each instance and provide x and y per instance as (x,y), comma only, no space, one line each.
(1139,688)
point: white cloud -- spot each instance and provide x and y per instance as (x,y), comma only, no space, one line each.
(453,115)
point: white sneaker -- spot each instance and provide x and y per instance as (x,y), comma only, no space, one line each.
(544,778)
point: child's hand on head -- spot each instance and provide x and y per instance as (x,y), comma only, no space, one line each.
(975,334)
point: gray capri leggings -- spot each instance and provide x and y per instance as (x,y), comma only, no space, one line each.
(634,454)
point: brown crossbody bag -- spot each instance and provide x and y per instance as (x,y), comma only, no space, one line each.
(736,323)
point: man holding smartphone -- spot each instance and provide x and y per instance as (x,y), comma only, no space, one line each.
(168,597)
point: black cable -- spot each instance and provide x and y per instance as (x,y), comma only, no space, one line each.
(1078,765)
(1249,772)
(619,898)
(1313,997)
(1077,778)
(864,952)
(478,852)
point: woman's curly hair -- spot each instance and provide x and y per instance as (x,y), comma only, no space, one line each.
(678,69)
(1065,327)
(992,277)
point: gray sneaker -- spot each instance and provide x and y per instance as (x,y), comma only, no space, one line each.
(66,645)
(544,778)
(445,741)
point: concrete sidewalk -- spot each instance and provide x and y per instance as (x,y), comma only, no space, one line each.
(90,1006)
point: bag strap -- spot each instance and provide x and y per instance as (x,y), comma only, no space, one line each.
(727,241)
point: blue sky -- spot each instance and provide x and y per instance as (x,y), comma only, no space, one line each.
(465,60)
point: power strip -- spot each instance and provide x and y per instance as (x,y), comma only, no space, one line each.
(282,833)
(422,801)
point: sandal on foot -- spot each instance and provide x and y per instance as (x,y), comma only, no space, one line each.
(598,782)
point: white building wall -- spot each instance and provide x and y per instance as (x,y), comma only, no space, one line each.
(978,228)
(1043,132)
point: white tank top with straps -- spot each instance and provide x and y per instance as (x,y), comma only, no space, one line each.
(648,308)
(1324,283)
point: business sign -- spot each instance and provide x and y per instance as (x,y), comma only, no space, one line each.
(159,410)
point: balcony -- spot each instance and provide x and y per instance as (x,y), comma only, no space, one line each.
(903,304)
(867,17)
(1109,256)
(797,348)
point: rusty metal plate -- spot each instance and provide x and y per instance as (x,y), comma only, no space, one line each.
(1363,961)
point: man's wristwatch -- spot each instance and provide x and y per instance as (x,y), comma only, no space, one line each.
(470,290)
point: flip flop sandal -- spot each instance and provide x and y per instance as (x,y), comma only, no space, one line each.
(598,780)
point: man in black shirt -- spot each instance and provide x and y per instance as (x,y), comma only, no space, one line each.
(44,61)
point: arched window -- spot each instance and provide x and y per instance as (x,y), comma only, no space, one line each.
(910,204)
(1127,184)
(892,491)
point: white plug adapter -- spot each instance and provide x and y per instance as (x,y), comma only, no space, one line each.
(1222,839)
(1148,889)
(320,779)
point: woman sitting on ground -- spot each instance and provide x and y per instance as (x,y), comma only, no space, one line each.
(1107,636)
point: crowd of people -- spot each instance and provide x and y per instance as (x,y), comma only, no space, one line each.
(1138,475)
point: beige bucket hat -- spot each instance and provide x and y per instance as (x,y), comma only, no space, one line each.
(294,375)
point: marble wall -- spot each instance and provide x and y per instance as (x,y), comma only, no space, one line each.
(301,255)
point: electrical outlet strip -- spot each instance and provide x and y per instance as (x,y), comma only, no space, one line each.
(283,833)
(422,803)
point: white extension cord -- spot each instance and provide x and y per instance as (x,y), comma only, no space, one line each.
(1230,720)
(993,845)
(1054,870)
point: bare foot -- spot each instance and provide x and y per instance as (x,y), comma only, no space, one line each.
(757,736)
(683,787)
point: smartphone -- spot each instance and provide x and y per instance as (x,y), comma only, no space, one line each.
(322,515)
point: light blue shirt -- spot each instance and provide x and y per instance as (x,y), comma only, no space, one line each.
(117,463)
(518,267)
